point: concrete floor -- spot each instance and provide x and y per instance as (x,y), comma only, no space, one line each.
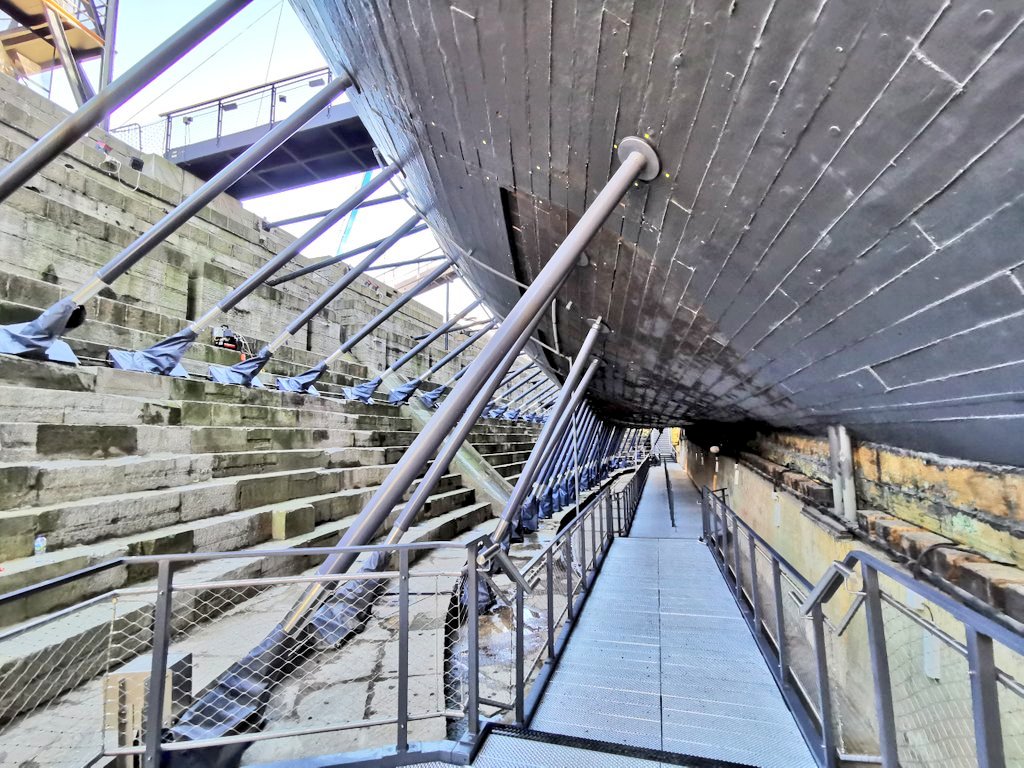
(661,657)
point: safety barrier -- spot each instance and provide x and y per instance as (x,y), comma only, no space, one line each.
(940,671)
(395,655)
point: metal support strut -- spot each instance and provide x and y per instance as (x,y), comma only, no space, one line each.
(638,161)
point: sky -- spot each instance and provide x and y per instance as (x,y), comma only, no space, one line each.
(265,41)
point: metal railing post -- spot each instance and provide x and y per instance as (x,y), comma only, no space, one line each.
(755,599)
(828,745)
(402,741)
(988,731)
(780,619)
(154,721)
(609,523)
(567,552)
(737,571)
(880,668)
(593,517)
(549,567)
(582,528)
(520,708)
(473,632)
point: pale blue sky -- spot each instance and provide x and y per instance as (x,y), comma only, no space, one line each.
(265,41)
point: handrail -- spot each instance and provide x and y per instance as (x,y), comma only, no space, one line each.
(798,577)
(811,699)
(835,576)
(244,92)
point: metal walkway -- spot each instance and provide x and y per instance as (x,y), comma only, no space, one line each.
(661,657)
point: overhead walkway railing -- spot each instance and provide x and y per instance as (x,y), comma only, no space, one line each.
(261,105)
(138,660)
(872,655)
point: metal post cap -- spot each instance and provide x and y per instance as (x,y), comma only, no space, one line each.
(632,144)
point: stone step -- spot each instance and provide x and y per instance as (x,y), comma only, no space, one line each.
(24,405)
(486,449)
(99,379)
(506,457)
(94,519)
(80,637)
(27,441)
(230,532)
(509,471)
(51,482)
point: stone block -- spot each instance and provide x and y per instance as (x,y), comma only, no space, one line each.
(991,581)
(293,521)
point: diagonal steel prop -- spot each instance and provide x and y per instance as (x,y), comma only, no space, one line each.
(245,372)
(304,381)
(402,393)
(366,390)
(165,357)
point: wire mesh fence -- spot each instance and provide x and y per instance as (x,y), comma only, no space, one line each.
(260,653)
(372,664)
(905,682)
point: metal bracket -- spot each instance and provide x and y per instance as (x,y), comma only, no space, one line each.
(631,144)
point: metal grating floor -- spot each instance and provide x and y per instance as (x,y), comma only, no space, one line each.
(661,657)
(652,515)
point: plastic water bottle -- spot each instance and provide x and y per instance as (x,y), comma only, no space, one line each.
(40,545)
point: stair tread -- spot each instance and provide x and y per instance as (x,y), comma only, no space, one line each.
(206,570)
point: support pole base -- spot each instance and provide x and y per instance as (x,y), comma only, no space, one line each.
(363,392)
(303,382)
(163,358)
(429,399)
(39,339)
(400,395)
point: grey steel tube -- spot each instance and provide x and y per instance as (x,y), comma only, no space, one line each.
(638,160)
(307,216)
(565,458)
(388,311)
(89,115)
(528,397)
(511,376)
(409,262)
(344,282)
(318,265)
(457,350)
(450,448)
(505,395)
(548,435)
(430,338)
(546,461)
(199,199)
(261,275)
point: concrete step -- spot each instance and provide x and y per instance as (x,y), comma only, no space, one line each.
(24,405)
(93,519)
(486,449)
(79,638)
(31,484)
(28,441)
(226,533)
(100,379)
(508,471)
(501,458)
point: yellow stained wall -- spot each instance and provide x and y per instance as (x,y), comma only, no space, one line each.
(931,687)
(977,505)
